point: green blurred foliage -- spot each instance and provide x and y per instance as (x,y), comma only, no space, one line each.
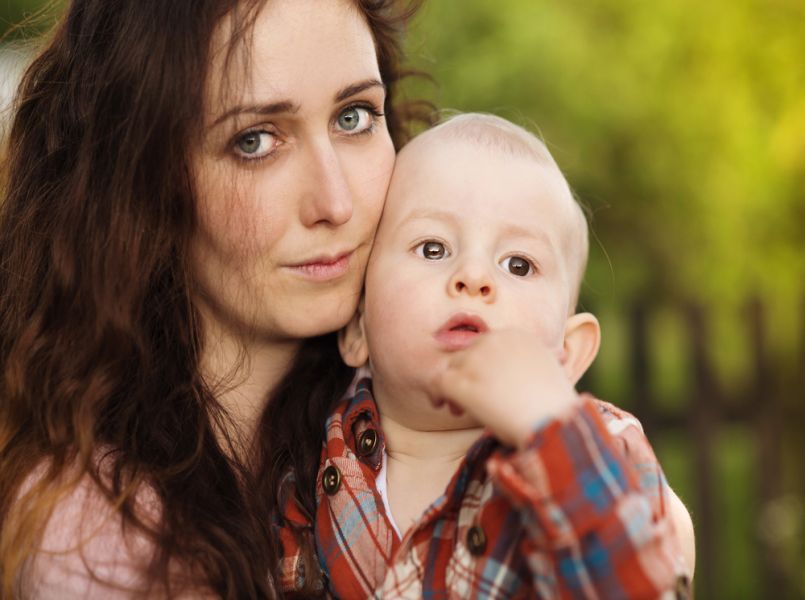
(24,19)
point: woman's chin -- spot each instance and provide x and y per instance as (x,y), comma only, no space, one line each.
(318,318)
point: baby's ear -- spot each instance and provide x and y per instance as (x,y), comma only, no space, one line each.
(352,340)
(582,339)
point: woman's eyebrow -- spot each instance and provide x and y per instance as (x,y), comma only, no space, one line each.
(286,106)
(357,88)
(283,106)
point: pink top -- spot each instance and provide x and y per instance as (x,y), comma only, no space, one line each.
(84,552)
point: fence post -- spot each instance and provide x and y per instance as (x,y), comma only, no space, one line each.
(767,408)
(641,368)
(705,402)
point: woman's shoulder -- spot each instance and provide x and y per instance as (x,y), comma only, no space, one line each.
(86,550)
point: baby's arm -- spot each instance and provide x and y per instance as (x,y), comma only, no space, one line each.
(683,524)
(595,502)
(628,434)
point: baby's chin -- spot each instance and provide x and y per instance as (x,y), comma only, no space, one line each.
(432,417)
(454,409)
(415,408)
(448,416)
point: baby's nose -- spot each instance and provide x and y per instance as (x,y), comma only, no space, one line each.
(474,281)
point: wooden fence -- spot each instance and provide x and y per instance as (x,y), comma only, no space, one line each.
(764,401)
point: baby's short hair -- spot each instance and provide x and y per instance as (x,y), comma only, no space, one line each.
(499,134)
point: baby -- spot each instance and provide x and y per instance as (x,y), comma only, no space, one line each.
(468,466)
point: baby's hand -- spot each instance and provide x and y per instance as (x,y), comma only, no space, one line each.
(509,381)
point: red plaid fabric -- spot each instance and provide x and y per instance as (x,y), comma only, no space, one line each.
(579,513)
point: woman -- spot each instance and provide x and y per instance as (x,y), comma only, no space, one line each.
(191,193)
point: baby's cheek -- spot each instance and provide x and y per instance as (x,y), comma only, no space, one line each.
(386,282)
(384,314)
(548,324)
(394,315)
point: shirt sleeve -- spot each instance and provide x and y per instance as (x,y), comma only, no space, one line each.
(593,498)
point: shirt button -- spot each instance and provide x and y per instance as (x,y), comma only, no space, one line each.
(331,480)
(476,540)
(367,442)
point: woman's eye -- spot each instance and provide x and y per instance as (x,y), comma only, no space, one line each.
(355,119)
(432,250)
(255,144)
(517,265)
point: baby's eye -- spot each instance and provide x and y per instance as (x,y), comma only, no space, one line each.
(517,265)
(255,144)
(432,250)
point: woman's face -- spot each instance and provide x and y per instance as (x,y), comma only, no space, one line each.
(291,173)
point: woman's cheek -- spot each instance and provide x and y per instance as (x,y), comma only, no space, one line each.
(236,223)
(377,175)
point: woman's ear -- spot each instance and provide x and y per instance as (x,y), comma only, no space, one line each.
(582,339)
(352,340)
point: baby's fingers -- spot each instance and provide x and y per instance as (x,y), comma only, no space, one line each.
(454,386)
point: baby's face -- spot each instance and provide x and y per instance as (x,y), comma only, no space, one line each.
(471,239)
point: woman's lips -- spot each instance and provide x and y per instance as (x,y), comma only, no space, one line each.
(459,331)
(323,268)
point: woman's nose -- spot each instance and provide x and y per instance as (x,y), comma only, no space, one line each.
(330,199)
(473,279)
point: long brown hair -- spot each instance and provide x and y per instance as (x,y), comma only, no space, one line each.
(99,336)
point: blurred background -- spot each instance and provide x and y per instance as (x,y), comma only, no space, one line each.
(681,127)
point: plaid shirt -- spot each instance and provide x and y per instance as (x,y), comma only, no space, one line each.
(579,513)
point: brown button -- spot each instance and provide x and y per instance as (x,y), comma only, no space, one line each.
(367,442)
(331,480)
(476,540)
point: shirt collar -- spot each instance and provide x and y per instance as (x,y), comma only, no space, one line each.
(361,416)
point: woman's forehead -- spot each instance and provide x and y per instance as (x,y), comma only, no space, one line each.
(294,50)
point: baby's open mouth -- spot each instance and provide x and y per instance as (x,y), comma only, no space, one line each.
(459,331)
